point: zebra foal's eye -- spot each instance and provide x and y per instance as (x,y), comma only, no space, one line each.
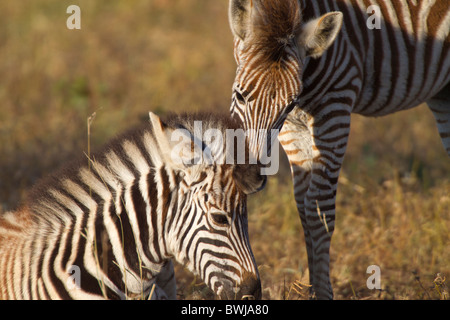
(219,218)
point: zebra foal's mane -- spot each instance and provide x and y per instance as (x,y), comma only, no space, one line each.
(244,174)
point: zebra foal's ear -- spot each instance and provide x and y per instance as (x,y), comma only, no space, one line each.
(239,15)
(248,178)
(178,149)
(318,34)
(159,142)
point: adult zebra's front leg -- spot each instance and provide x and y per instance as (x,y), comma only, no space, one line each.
(296,139)
(315,146)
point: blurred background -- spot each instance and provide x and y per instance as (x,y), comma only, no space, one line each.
(131,57)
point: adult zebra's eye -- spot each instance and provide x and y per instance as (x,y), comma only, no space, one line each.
(239,97)
(220,218)
(206,197)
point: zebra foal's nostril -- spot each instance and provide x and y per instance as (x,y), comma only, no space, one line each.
(251,288)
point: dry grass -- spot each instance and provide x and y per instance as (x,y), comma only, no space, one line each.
(393,207)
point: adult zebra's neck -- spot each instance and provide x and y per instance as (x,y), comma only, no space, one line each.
(331,68)
(384,67)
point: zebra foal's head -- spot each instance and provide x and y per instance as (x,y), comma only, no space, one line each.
(208,233)
(271,43)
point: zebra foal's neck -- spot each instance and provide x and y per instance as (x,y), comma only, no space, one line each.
(89,214)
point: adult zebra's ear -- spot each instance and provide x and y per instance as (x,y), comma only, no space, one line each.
(248,178)
(319,34)
(239,15)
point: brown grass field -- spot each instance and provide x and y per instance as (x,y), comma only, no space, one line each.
(393,205)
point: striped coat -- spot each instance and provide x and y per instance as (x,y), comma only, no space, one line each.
(107,227)
(307,65)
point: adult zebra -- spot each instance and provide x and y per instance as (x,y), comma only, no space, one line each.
(321,61)
(113,225)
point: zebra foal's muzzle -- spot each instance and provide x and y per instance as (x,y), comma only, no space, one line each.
(248,289)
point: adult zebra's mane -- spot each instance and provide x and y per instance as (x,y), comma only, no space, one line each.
(275,25)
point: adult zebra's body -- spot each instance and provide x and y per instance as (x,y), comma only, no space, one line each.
(118,221)
(291,56)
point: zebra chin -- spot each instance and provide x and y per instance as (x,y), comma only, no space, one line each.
(248,289)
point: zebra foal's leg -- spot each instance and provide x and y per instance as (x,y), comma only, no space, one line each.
(440,106)
(165,280)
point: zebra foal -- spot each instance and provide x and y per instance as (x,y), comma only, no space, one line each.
(306,65)
(117,220)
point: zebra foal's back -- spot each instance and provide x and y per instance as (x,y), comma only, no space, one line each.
(108,227)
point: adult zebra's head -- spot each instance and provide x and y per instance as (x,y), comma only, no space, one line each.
(271,44)
(208,232)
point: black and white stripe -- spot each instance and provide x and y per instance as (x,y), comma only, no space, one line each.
(117,220)
(332,64)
